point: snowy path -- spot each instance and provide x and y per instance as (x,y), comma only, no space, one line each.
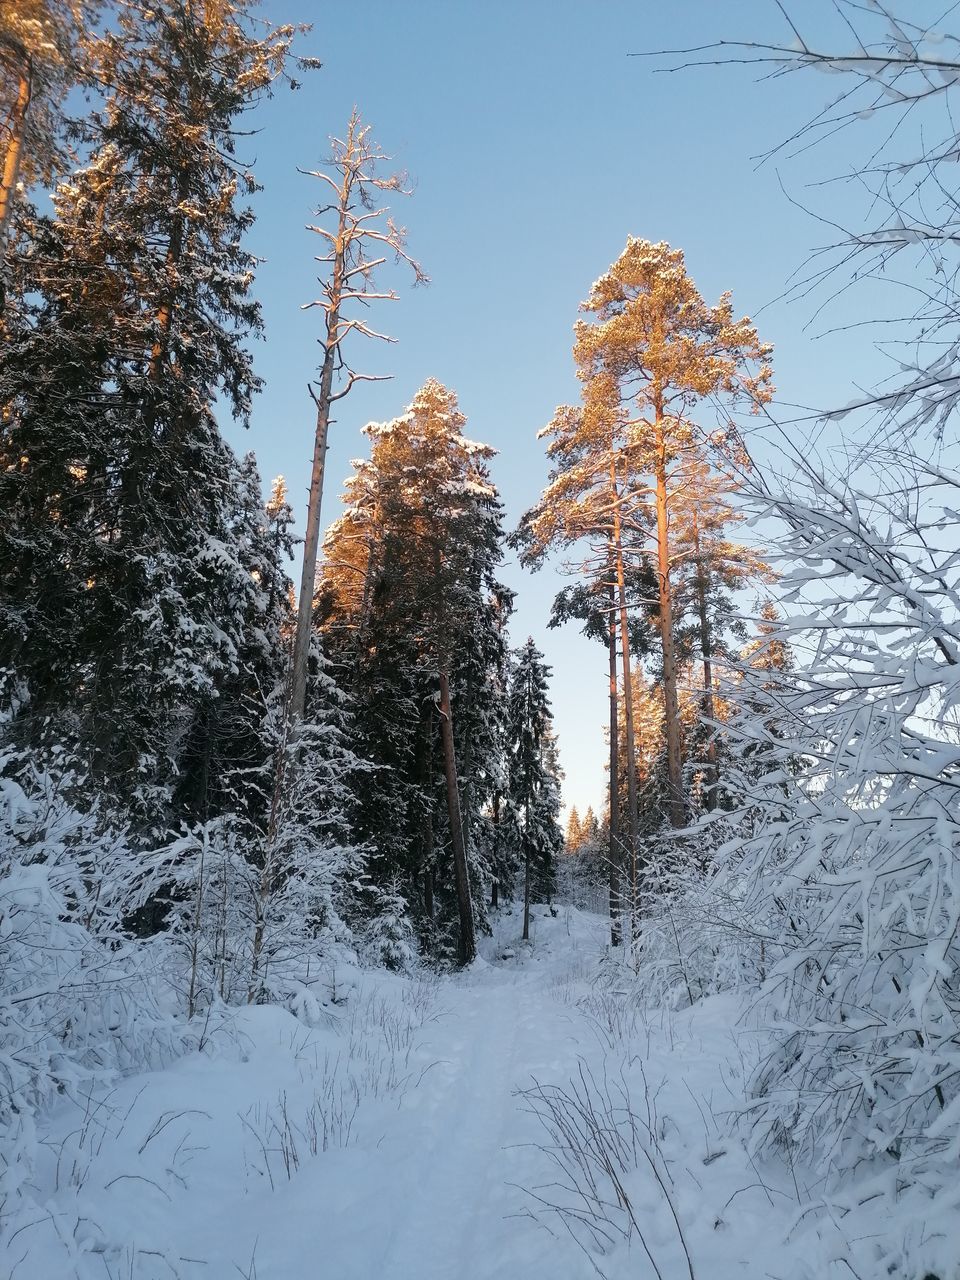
(185,1173)
(448,1223)
(440,1199)
(189,1173)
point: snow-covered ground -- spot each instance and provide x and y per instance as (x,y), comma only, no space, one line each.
(400,1140)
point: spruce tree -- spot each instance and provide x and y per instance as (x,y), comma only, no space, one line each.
(574,836)
(118,491)
(413,609)
(534,774)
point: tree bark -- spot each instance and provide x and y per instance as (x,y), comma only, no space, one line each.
(19,59)
(526,873)
(633,814)
(467,948)
(614,821)
(426,777)
(495,886)
(311,539)
(676,808)
(706,648)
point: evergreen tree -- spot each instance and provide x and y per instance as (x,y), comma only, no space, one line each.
(119,537)
(574,836)
(412,607)
(590,829)
(40,57)
(655,352)
(534,774)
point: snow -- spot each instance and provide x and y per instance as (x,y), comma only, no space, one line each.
(435,1166)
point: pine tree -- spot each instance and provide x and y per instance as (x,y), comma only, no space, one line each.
(40,57)
(708,568)
(591,502)
(655,352)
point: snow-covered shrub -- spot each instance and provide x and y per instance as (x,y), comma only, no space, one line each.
(79,1001)
(389,938)
(839,884)
(697,930)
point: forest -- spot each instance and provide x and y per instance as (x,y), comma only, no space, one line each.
(307,964)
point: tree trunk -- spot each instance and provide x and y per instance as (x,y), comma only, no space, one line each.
(18,59)
(467,948)
(426,780)
(428,863)
(676,807)
(495,886)
(615,850)
(526,873)
(428,883)
(633,814)
(706,648)
(311,539)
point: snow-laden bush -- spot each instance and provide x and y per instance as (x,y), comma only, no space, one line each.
(388,938)
(78,1000)
(838,888)
(698,933)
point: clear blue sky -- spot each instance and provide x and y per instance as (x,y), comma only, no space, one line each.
(536,146)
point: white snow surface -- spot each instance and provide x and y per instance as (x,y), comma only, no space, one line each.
(434,1169)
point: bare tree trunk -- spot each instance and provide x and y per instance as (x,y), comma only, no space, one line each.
(18,59)
(614,823)
(706,648)
(426,778)
(467,948)
(633,813)
(428,865)
(311,540)
(278,798)
(526,874)
(495,886)
(671,711)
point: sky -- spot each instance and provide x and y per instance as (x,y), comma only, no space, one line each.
(535,146)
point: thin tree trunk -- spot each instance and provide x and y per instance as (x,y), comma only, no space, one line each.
(706,648)
(495,886)
(19,58)
(615,850)
(278,798)
(428,866)
(426,778)
(311,540)
(526,873)
(676,807)
(467,948)
(633,815)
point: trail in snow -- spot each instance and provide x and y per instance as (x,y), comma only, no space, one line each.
(191,1173)
(442,1190)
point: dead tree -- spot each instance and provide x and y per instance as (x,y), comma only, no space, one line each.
(361,237)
